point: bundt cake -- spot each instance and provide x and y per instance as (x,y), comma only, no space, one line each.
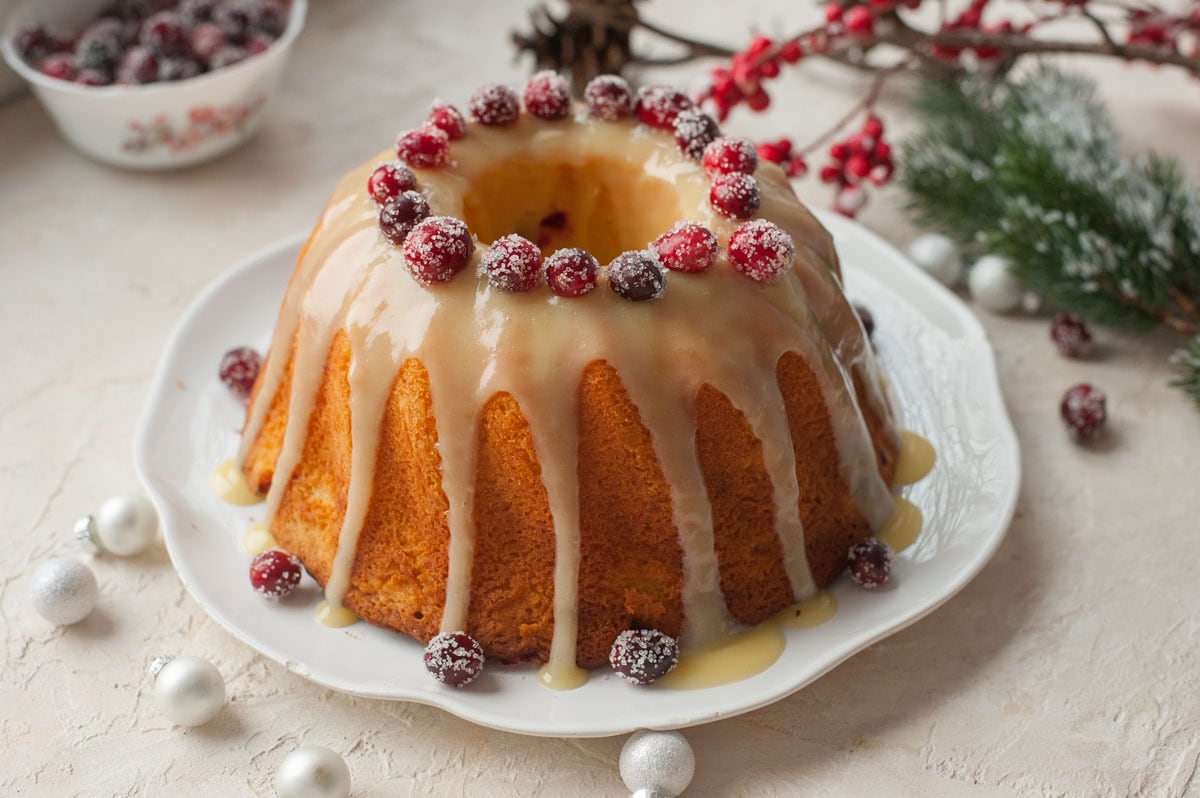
(456,432)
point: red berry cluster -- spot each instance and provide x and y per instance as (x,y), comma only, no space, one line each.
(438,248)
(863,156)
(138,41)
(1083,407)
(1153,27)
(971,19)
(781,152)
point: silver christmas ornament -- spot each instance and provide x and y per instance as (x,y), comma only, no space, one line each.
(190,691)
(657,764)
(938,256)
(85,535)
(994,286)
(126,524)
(313,771)
(156,666)
(64,590)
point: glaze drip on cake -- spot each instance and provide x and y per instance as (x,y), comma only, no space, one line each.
(618,185)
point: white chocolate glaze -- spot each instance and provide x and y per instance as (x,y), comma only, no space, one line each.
(229,484)
(718,328)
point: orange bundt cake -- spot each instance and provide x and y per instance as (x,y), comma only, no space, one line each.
(567,369)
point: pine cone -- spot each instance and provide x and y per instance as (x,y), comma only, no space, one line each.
(592,39)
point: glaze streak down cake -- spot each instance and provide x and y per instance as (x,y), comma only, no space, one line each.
(546,472)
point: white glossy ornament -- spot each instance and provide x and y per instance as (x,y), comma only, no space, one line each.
(994,286)
(189,690)
(64,590)
(938,256)
(657,764)
(126,524)
(313,771)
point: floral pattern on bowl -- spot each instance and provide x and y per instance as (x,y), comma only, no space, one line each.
(203,122)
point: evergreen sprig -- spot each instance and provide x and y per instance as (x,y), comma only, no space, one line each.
(1031,170)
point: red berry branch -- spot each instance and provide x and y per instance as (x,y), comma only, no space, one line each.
(884,37)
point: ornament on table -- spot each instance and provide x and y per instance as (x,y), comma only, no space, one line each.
(64,590)
(938,256)
(190,691)
(313,771)
(657,764)
(993,285)
(124,525)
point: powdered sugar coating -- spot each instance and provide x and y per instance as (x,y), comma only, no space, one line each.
(761,250)
(870,563)
(275,574)
(426,147)
(389,180)
(494,104)
(437,249)
(609,97)
(734,195)
(694,131)
(657,106)
(400,214)
(547,95)
(512,263)
(238,370)
(448,119)
(454,658)
(687,247)
(571,272)
(642,656)
(637,276)
(729,154)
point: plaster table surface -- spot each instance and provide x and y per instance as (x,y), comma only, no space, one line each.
(1067,667)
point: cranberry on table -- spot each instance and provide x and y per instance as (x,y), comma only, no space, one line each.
(494,104)
(512,263)
(761,250)
(694,131)
(448,119)
(735,195)
(637,276)
(687,247)
(609,98)
(389,180)
(1071,335)
(870,563)
(454,658)
(571,272)
(657,106)
(400,214)
(728,154)
(642,656)
(547,96)
(437,249)
(1084,409)
(274,574)
(426,147)
(238,370)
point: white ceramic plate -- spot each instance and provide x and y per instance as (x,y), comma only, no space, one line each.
(942,373)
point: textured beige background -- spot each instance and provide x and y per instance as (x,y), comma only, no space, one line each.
(1068,667)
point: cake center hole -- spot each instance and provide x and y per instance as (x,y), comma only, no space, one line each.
(603,205)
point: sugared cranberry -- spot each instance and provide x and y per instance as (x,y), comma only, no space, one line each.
(734,195)
(761,250)
(867,318)
(448,119)
(227,56)
(58,65)
(238,370)
(657,106)
(178,69)
(390,179)
(571,272)
(138,65)
(234,18)
(425,147)
(258,43)
(99,47)
(272,18)
(196,11)
(1084,409)
(1071,335)
(93,77)
(727,154)
(637,276)
(33,42)
(164,33)
(609,98)
(494,104)
(206,39)
(400,214)
(694,131)
(437,249)
(512,263)
(274,574)
(547,96)
(454,658)
(870,563)
(642,656)
(687,247)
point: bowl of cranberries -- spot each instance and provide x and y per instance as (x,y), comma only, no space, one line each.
(153,84)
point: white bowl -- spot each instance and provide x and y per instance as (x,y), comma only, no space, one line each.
(157,125)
